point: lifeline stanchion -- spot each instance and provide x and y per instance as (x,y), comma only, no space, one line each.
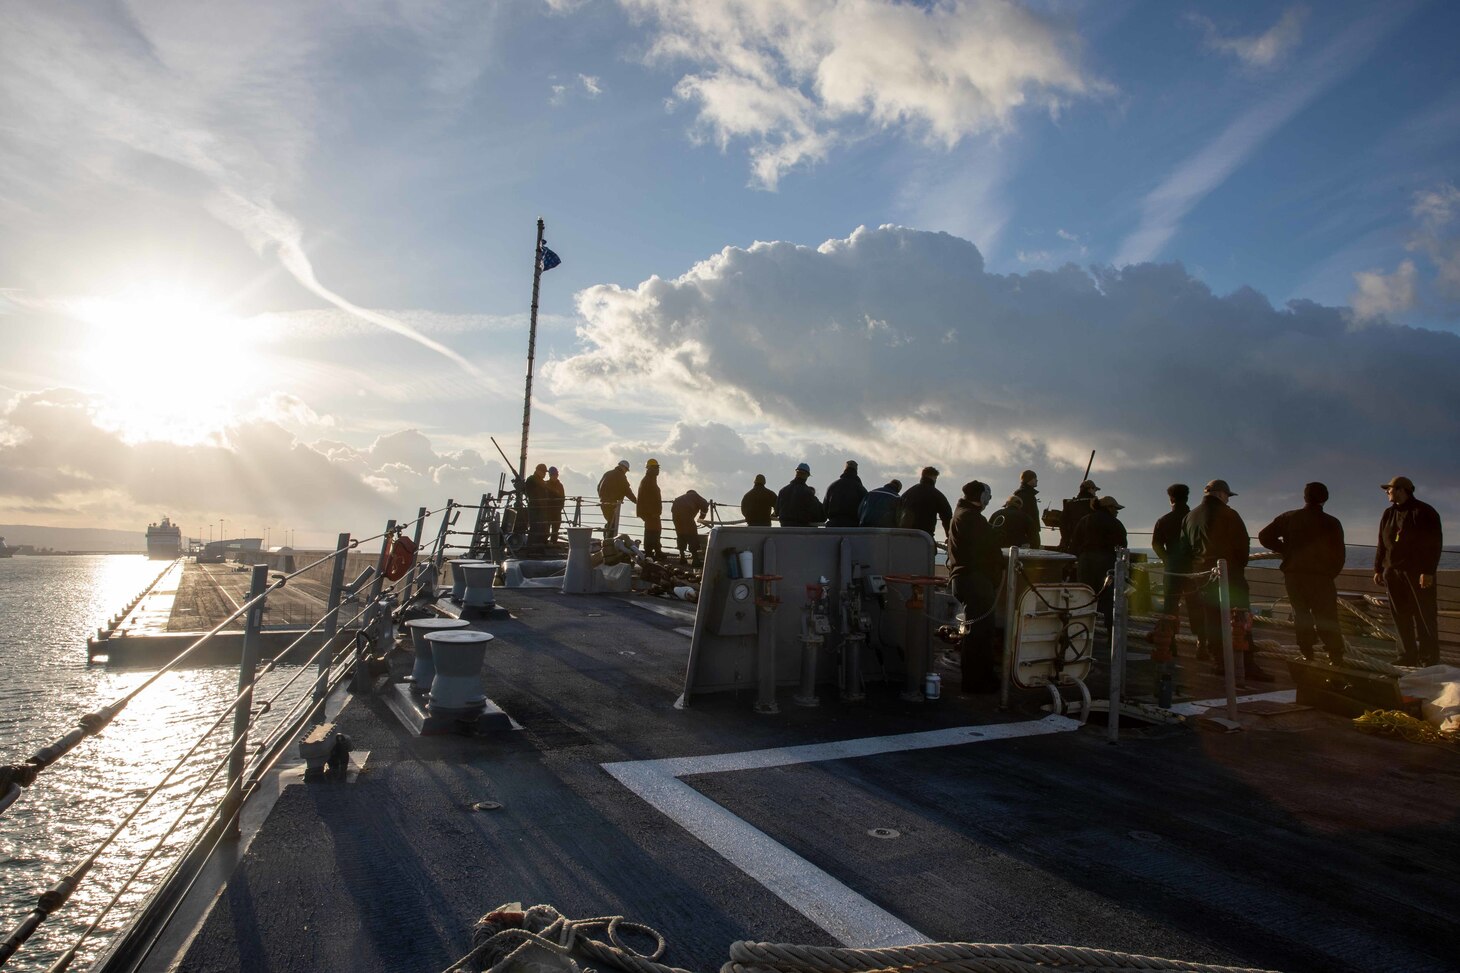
(332,624)
(1224,602)
(1117,644)
(247,670)
(1011,627)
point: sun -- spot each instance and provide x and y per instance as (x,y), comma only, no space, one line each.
(167,364)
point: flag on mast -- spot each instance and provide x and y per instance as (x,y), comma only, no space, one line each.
(547,259)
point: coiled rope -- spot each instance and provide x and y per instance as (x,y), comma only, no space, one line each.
(540,939)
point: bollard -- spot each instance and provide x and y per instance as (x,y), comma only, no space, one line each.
(424,669)
(457,690)
(477,593)
(578,576)
(458,577)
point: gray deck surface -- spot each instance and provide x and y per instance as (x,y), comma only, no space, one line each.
(1298,844)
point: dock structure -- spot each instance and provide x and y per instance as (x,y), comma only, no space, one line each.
(1297,844)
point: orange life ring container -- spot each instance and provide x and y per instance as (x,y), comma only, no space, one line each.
(400,558)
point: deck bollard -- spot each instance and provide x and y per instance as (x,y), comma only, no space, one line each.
(457,690)
(458,578)
(424,670)
(477,592)
(578,576)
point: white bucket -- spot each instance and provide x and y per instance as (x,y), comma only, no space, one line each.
(747,564)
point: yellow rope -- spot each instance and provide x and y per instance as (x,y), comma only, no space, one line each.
(1391,722)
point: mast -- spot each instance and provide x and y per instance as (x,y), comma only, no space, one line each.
(531,351)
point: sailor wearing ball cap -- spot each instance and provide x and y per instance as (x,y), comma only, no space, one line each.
(1097,537)
(613,490)
(1408,555)
(974,568)
(797,501)
(556,499)
(1213,531)
(649,508)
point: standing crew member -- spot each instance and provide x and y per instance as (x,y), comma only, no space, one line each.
(535,495)
(1029,497)
(1406,561)
(974,568)
(1170,546)
(798,503)
(649,508)
(1311,543)
(844,497)
(1010,525)
(1097,537)
(556,498)
(686,508)
(1075,510)
(759,503)
(1213,530)
(613,489)
(923,505)
(880,507)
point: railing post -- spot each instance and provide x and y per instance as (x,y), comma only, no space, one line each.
(1224,603)
(243,709)
(331,623)
(1117,643)
(476,532)
(1011,626)
(577,511)
(411,583)
(360,681)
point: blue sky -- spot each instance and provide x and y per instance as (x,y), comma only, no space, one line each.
(257,194)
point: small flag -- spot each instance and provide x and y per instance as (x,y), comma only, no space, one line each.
(548,259)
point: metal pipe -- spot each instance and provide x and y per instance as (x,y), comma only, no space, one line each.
(765,646)
(531,351)
(1224,602)
(416,540)
(1117,643)
(332,623)
(1011,626)
(913,650)
(243,707)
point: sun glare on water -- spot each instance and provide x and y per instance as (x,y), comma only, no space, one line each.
(167,364)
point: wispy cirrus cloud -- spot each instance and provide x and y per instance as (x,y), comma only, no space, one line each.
(1259,51)
(793,78)
(1164,208)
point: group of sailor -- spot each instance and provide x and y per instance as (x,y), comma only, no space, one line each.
(1189,542)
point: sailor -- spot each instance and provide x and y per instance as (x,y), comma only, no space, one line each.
(1010,525)
(797,501)
(556,498)
(613,490)
(1170,547)
(1097,537)
(759,503)
(880,507)
(1075,509)
(649,507)
(1029,496)
(1410,539)
(974,569)
(923,505)
(685,510)
(844,497)
(534,493)
(1213,531)
(1311,543)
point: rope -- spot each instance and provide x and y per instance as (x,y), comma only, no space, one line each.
(1392,722)
(503,941)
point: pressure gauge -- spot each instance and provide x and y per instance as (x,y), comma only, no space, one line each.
(740,591)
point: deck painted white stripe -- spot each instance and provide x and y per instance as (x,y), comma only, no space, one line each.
(844,914)
(1199,707)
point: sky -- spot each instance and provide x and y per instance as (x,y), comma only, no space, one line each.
(269,265)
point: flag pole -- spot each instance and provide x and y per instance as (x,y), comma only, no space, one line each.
(531,351)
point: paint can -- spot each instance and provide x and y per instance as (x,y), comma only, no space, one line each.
(932,685)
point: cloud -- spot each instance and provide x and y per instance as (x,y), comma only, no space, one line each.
(1263,50)
(796,77)
(1435,235)
(985,374)
(1163,209)
(591,85)
(58,462)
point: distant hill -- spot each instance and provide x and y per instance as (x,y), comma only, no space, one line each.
(74,538)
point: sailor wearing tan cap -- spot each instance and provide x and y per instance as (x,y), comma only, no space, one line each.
(1097,537)
(1407,558)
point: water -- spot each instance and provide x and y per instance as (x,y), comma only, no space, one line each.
(48,607)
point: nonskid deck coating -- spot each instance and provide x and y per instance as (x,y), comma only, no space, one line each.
(1297,844)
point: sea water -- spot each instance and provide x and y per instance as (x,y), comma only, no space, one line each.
(48,608)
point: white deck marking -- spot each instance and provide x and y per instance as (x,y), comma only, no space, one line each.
(831,905)
(1199,707)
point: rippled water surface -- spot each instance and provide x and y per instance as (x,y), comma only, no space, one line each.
(48,607)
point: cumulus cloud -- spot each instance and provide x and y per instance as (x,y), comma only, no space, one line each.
(591,84)
(1258,50)
(1435,236)
(794,77)
(58,462)
(985,374)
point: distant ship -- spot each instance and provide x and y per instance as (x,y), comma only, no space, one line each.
(164,541)
(5,551)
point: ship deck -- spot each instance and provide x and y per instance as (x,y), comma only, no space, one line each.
(1296,844)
